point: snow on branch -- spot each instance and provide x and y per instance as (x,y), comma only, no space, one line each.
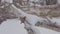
(32,19)
(54,22)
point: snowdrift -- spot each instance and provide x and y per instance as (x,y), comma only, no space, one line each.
(12,26)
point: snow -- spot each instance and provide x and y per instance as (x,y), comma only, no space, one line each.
(47,31)
(58,1)
(19,12)
(31,19)
(1,6)
(54,21)
(12,26)
(35,30)
(41,30)
(57,21)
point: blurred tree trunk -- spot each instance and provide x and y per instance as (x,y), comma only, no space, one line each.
(0,2)
(51,2)
(20,2)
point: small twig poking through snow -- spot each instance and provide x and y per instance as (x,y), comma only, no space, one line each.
(2,19)
(22,19)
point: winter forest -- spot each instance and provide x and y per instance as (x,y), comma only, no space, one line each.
(29,16)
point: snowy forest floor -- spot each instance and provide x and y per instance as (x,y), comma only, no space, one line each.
(36,11)
(44,25)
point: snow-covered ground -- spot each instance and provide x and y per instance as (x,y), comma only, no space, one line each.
(13,26)
(55,21)
(45,30)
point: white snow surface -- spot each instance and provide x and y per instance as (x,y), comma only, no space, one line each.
(41,30)
(47,31)
(56,20)
(58,1)
(12,26)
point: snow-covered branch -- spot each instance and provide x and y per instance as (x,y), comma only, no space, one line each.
(32,19)
(54,22)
